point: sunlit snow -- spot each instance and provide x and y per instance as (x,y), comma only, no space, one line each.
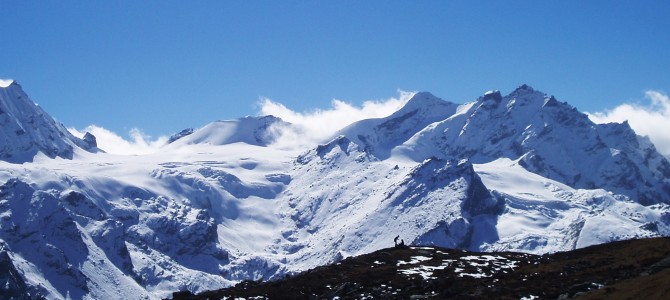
(5,82)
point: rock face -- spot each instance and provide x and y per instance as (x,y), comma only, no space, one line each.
(180,134)
(13,285)
(25,129)
(90,140)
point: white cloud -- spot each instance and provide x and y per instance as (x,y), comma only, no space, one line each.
(320,124)
(113,143)
(307,128)
(652,120)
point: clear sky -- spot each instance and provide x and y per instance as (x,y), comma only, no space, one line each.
(162,66)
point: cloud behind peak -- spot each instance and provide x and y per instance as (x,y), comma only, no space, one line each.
(651,119)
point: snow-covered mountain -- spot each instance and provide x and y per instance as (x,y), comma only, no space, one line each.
(223,203)
(550,138)
(257,131)
(25,129)
(380,136)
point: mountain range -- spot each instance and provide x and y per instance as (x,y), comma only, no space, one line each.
(223,203)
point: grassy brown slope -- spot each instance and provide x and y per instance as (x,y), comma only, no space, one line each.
(639,268)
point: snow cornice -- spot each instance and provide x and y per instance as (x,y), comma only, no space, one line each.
(5,83)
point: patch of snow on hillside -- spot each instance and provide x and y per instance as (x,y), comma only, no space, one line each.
(415,260)
(426,272)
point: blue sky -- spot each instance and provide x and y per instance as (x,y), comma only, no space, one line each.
(162,66)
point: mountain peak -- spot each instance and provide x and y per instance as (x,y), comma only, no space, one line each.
(422,101)
(5,83)
(423,98)
(526,91)
(494,95)
(381,135)
(524,88)
(253,130)
(27,129)
(423,95)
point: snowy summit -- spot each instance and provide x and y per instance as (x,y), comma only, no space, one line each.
(6,82)
(27,130)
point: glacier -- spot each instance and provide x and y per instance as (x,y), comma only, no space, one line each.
(223,203)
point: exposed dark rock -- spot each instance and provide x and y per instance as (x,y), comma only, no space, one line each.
(90,140)
(181,134)
(12,284)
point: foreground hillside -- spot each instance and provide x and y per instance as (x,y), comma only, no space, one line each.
(633,269)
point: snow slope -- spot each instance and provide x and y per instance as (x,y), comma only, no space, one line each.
(542,215)
(222,203)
